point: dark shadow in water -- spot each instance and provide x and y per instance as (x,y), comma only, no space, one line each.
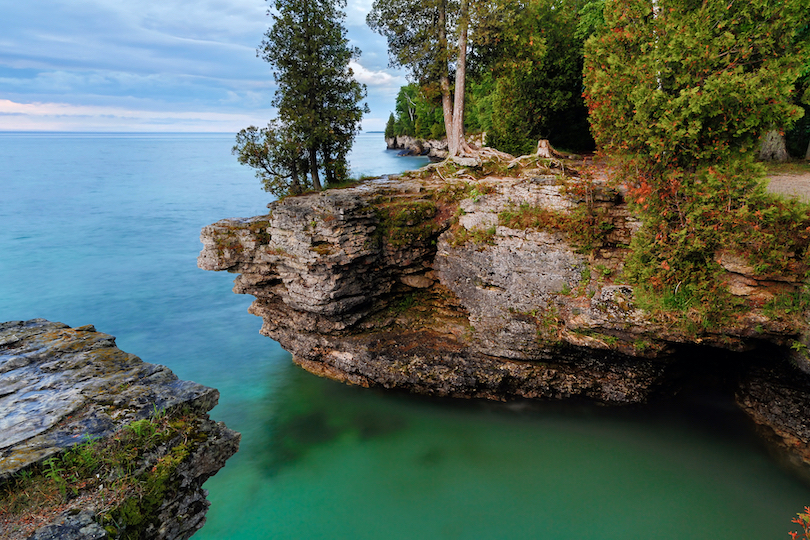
(308,412)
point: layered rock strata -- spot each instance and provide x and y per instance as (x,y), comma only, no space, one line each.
(424,283)
(62,386)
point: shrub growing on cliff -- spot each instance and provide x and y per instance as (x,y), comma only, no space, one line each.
(681,91)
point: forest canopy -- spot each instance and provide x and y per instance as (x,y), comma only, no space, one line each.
(526,63)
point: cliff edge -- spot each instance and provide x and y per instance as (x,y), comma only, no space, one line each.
(500,283)
(95,443)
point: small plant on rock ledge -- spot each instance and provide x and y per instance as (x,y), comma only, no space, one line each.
(403,223)
(126,474)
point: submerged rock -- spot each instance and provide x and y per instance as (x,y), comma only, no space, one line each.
(62,386)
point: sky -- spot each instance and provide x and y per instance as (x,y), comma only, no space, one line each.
(157,65)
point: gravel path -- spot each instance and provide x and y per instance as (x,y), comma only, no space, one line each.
(797,185)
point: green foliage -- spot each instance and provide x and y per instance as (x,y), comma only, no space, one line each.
(418,113)
(788,305)
(143,429)
(591,19)
(405,223)
(586,225)
(694,83)
(318,98)
(535,67)
(416,34)
(477,236)
(390,127)
(277,154)
(722,207)
(129,470)
(681,94)
(479,111)
(53,471)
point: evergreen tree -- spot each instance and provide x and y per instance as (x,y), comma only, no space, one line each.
(390,127)
(682,91)
(317,97)
(418,32)
(534,62)
(681,83)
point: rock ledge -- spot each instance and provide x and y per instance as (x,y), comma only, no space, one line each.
(60,386)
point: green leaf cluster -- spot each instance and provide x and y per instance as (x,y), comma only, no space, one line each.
(276,152)
(528,78)
(691,83)
(525,69)
(418,113)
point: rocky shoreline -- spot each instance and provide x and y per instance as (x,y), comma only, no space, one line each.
(61,387)
(435,149)
(417,283)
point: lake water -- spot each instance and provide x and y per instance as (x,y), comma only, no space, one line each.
(103,229)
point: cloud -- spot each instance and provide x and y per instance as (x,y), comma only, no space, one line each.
(58,116)
(375,78)
(149,63)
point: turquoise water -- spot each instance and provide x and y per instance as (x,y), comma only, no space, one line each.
(104,230)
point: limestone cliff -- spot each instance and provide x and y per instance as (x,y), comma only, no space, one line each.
(426,283)
(61,387)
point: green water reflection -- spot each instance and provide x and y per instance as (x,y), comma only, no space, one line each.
(324,460)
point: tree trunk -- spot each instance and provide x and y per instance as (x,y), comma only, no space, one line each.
(461,74)
(544,149)
(313,169)
(807,155)
(444,79)
(295,184)
(328,166)
(772,147)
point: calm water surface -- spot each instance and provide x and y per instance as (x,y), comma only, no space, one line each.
(104,230)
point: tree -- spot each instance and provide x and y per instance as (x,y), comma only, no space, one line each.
(417,113)
(525,66)
(318,99)
(417,33)
(390,127)
(692,83)
(534,62)
(277,154)
(798,138)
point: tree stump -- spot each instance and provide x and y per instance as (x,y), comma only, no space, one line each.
(772,147)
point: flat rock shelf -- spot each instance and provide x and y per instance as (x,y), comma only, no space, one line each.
(61,387)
